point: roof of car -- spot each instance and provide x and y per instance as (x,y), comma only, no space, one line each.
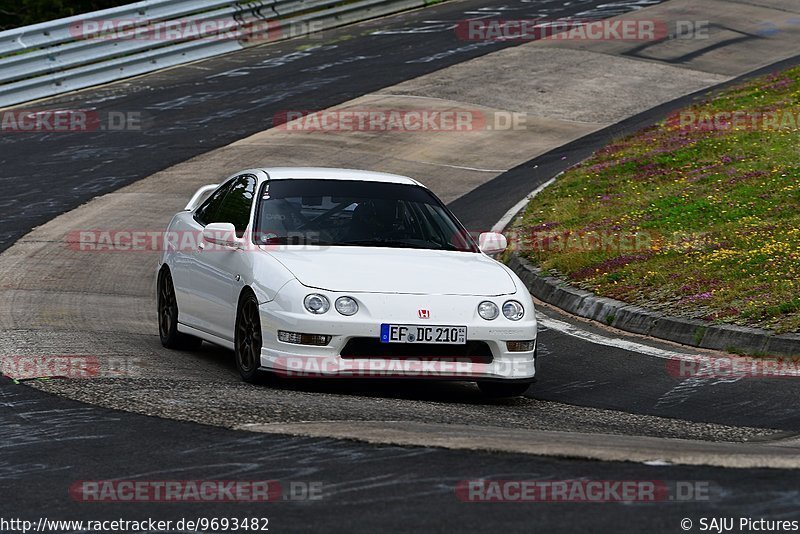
(329,173)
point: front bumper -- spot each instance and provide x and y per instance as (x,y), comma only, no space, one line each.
(303,361)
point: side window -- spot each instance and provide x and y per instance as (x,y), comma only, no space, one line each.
(236,204)
(207,211)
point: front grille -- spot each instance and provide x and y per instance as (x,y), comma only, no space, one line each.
(372,349)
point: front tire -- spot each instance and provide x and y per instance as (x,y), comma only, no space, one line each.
(248,339)
(168,317)
(501,390)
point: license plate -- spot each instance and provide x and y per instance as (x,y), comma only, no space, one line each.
(409,333)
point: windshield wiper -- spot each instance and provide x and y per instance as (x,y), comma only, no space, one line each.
(382,243)
(449,246)
(294,240)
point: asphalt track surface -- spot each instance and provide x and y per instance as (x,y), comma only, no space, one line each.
(49,442)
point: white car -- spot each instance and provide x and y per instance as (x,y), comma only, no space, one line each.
(343,273)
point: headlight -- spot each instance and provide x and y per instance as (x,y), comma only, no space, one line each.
(488,310)
(513,310)
(316,303)
(346,306)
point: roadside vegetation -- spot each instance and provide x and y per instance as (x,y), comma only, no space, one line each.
(24,12)
(698,216)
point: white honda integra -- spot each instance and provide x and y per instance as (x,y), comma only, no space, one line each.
(343,273)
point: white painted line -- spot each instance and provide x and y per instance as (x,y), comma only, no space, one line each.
(725,366)
(505,219)
(657,463)
(624,344)
(498,171)
(421,97)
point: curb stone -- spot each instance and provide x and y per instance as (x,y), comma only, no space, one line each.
(637,320)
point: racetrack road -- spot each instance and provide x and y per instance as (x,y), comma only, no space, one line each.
(62,299)
(49,444)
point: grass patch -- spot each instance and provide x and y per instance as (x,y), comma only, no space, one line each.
(700,222)
(699,334)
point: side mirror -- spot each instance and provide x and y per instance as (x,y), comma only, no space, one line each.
(492,242)
(223,234)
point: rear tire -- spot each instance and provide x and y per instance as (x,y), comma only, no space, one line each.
(248,338)
(168,317)
(501,390)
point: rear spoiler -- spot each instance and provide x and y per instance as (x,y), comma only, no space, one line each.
(199,196)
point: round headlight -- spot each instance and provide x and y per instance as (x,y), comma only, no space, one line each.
(346,306)
(488,310)
(316,303)
(513,310)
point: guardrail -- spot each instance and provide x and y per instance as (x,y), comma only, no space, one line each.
(73,53)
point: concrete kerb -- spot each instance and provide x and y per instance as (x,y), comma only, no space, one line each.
(623,316)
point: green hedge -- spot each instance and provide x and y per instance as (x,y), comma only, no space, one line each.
(16,13)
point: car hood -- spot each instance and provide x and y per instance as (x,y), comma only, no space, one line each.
(395,270)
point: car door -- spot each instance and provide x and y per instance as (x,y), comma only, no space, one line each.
(217,270)
(190,295)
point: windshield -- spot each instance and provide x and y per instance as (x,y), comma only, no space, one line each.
(356,213)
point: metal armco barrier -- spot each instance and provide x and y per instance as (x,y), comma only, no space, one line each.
(72,53)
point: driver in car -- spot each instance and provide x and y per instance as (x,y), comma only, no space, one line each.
(376,220)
